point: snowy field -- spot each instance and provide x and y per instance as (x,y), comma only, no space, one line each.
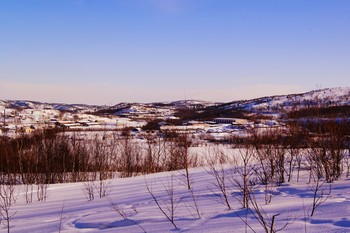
(68,210)
(130,207)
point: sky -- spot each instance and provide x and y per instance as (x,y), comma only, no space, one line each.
(111,51)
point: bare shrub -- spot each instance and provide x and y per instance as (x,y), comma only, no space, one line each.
(88,189)
(267,222)
(101,162)
(216,168)
(295,139)
(347,162)
(196,212)
(130,156)
(42,191)
(123,213)
(28,192)
(244,167)
(102,187)
(193,207)
(169,203)
(184,143)
(320,194)
(7,198)
(155,155)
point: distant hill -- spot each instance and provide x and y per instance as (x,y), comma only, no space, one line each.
(265,105)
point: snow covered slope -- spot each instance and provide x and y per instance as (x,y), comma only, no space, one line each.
(67,208)
(26,104)
(339,96)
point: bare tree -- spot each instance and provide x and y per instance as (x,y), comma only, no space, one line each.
(221,175)
(270,157)
(42,191)
(184,143)
(265,168)
(61,218)
(337,145)
(268,223)
(279,157)
(42,187)
(295,138)
(28,192)
(193,208)
(102,188)
(171,201)
(6,200)
(154,152)
(263,171)
(88,190)
(347,162)
(174,155)
(326,147)
(244,167)
(299,158)
(320,194)
(101,166)
(195,205)
(130,156)
(161,153)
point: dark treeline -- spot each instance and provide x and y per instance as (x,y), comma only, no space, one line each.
(43,157)
(325,111)
(51,156)
(322,120)
(208,113)
(323,147)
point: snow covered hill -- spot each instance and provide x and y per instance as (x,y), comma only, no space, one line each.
(27,104)
(338,96)
(66,208)
(331,96)
(24,114)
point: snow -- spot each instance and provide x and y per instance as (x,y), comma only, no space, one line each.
(338,95)
(292,201)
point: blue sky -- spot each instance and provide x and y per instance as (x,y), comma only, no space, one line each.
(109,51)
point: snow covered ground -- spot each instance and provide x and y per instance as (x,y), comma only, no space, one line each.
(68,210)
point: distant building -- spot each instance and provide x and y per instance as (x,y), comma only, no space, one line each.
(67,124)
(241,122)
(182,128)
(224,120)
